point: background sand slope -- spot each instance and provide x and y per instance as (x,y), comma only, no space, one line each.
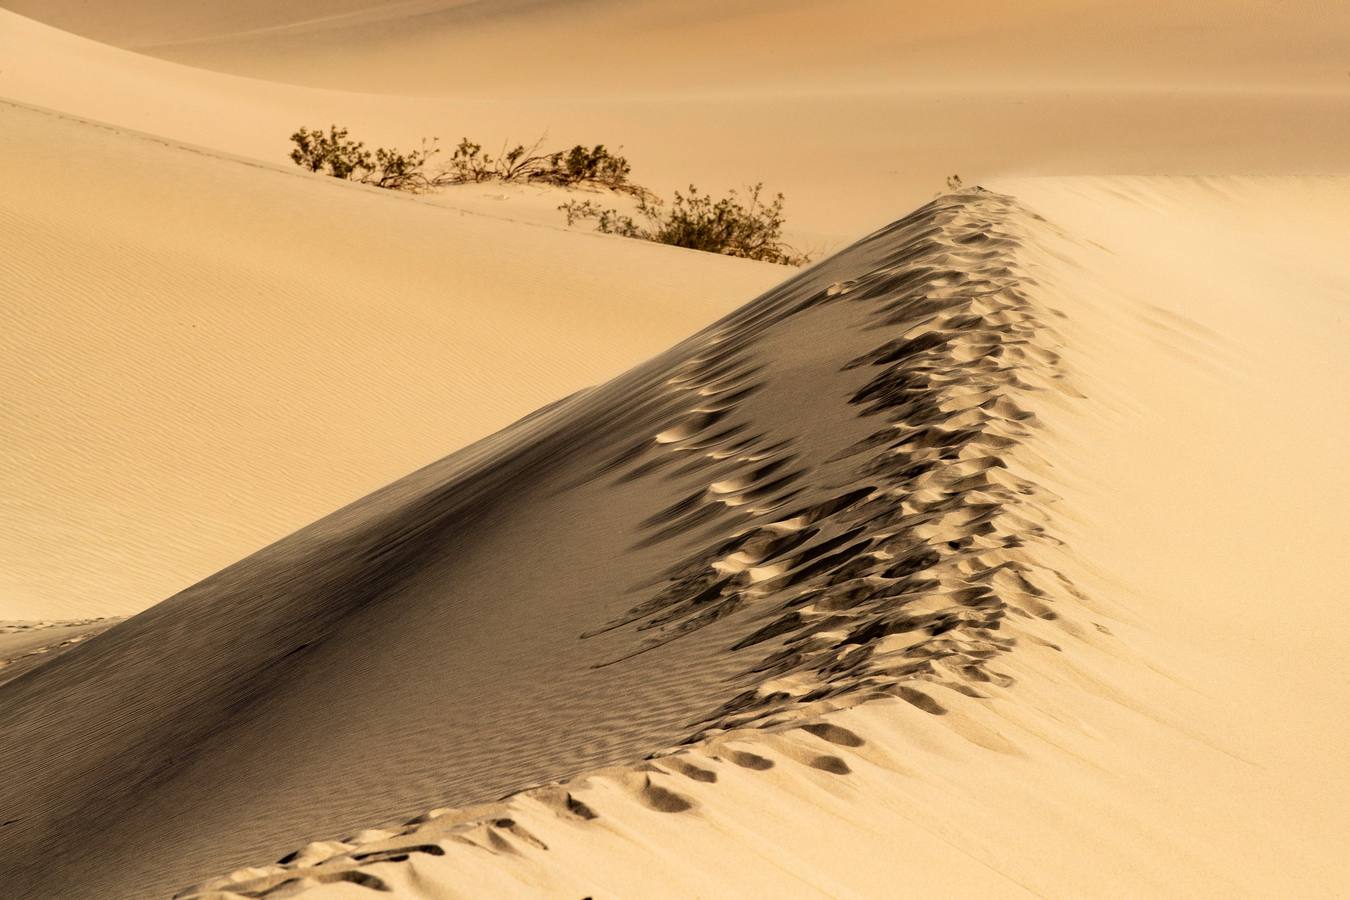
(452,47)
(848,139)
(200,355)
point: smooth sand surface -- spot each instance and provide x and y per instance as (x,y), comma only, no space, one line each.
(201,355)
(853,133)
(497,47)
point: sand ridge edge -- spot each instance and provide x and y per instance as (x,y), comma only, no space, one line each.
(915,573)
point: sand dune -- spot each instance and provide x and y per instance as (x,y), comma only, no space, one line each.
(652,540)
(499,47)
(883,481)
(201,355)
(848,151)
(996,555)
(27,645)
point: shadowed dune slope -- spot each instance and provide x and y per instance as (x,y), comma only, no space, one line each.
(1082,565)
(27,645)
(607,577)
(201,355)
(981,470)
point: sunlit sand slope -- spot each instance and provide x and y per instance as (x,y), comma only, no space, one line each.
(200,355)
(496,46)
(957,471)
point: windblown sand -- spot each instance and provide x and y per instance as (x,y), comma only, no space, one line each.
(996,555)
(202,355)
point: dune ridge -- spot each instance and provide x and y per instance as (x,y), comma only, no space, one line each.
(809,526)
(882,541)
(1123,740)
(915,536)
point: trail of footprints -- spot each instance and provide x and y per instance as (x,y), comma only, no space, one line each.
(906,570)
(20,662)
(492,829)
(896,564)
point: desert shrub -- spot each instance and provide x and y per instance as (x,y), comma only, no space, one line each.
(566,168)
(521,162)
(332,152)
(335,154)
(401,171)
(732,225)
(467,164)
(470,163)
(595,165)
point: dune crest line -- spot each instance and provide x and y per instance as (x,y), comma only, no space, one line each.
(918,527)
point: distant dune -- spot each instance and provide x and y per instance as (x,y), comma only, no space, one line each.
(852,114)
(617,47)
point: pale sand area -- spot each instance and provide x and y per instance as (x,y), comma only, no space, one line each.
(854,111)
(1012,479)
(201,355)
(502,47)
